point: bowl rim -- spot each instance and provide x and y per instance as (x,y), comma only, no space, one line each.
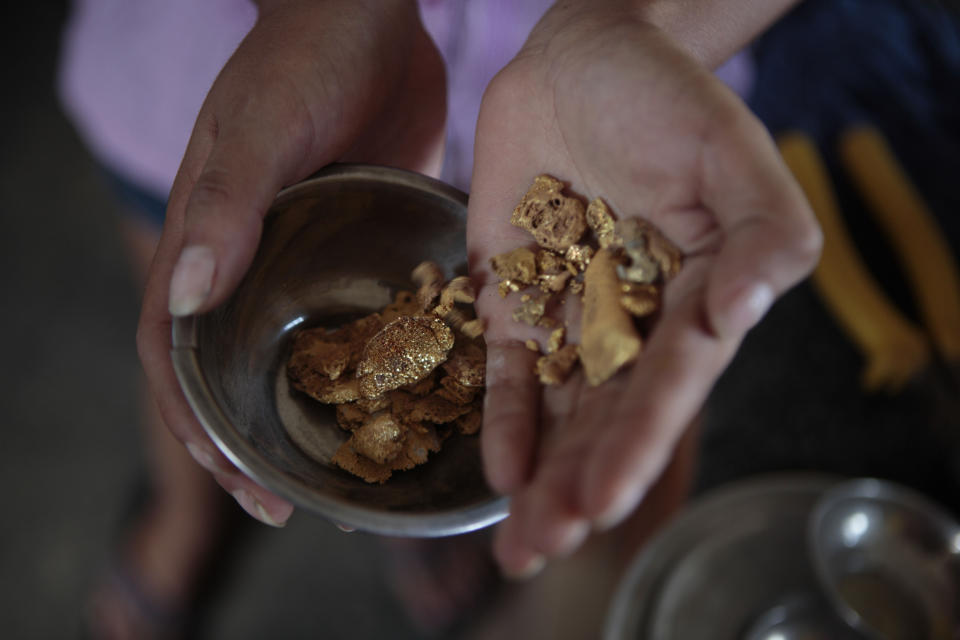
(870,489)
(186,363)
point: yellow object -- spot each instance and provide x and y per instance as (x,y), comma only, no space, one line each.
(894,349)
(913,231)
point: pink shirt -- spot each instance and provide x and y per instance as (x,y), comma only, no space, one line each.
(134,73)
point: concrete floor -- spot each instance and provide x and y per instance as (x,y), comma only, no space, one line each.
(70,456)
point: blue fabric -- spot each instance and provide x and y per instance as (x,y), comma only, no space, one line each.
(893,64)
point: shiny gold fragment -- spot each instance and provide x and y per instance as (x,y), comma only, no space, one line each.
(639,299)
(519,265)
(578,258)
(651,254)
(455,318)
(424,386)
(532,345)
(472,328)
(313,352)
(403,352)
(554,283)
(457,290)
(609,339)
(467,364)
(507,287)
(550,262)
(451,389)
(327,391)
(547,322)
(554,368)
(349,460)
(531,310)
(372,405)
(417,446)
(601,221)
(379,438)
(421,440)
(428,276)
(436,410)
(667,255)
(556,221)
(556,339)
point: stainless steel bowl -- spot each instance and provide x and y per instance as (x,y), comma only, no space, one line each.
(889,561)
(334,246)
(732,566)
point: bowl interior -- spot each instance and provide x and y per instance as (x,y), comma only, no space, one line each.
(333,248)
(889,560)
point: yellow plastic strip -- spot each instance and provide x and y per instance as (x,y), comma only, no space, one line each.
(893,348)
(914,233)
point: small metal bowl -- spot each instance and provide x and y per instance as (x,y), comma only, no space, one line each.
(889,561)
(334,247)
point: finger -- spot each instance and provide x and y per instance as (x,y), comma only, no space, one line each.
(222,219)
(667,386)
(510,415)
(255,500)
(155,324)
(547,512)
(771,239)
(516,560)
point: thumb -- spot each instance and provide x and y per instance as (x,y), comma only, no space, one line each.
(223,218)
(771,238)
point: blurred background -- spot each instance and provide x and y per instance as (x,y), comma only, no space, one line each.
(71,461)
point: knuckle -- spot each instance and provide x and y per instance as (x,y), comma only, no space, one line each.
(213,187)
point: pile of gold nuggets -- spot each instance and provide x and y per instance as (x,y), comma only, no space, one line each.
(407,377)
(619,269)
(402,379)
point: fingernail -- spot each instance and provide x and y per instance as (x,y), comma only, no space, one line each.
(616,512)
(534,566)
(344,528)
(575,536)
(191,281)
(204,458)
(252,506)
(748,306)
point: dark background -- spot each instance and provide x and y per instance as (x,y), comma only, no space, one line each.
(70,452)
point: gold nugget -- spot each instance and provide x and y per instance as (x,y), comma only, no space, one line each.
(640,299)
(403,352)
(519,265)
(609,339)
(429,280)
(554,368)
(601,221)
(556,221)
(379,438)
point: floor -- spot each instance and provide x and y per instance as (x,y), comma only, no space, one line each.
(69,459)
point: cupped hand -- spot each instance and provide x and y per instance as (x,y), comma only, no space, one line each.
(311,83)
(613,107)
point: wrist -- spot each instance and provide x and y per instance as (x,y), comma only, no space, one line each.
(710,31)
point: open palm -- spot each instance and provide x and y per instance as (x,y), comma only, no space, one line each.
(629,117)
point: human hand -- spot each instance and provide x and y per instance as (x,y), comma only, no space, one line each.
(614,107)
(312,83)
